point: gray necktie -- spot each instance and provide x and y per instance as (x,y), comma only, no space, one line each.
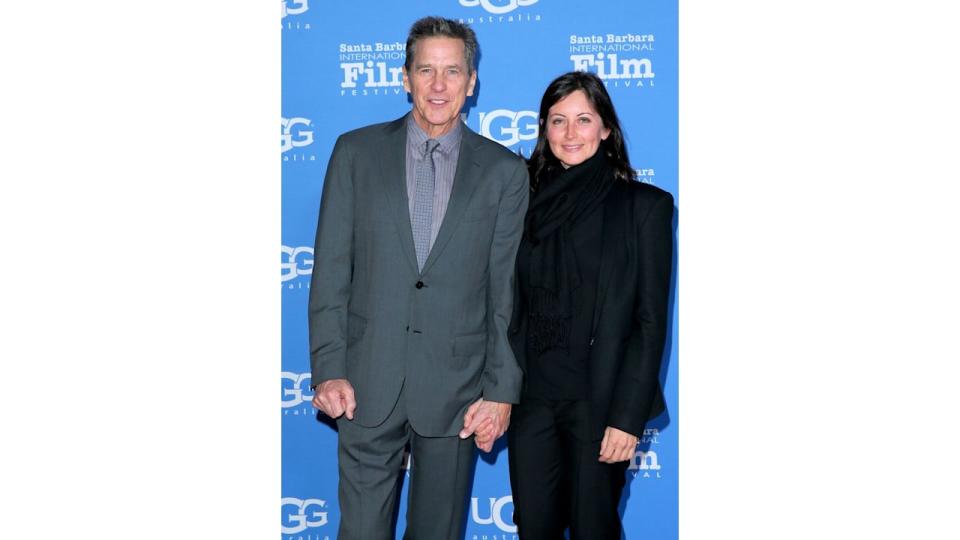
(422,219)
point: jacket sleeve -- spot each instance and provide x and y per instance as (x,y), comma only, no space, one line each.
(502,376)
(332,270)
(637,381)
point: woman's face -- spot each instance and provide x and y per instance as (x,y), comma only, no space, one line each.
(574,129)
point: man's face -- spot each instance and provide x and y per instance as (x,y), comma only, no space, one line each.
(438,83)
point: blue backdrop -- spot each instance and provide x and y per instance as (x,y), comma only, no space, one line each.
(341,70)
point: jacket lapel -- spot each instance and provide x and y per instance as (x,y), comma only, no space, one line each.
(613,210)
(393,176)
(465,181)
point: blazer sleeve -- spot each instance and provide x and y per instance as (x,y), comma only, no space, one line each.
(502,376)
(332,270)
(638,379)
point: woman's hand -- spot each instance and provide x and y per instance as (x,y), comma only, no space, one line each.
(617,445)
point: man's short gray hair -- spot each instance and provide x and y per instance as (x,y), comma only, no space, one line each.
(439,27)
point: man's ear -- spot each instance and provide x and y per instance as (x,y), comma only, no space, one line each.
(472,83)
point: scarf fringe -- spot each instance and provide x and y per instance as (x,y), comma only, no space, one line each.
(548,330)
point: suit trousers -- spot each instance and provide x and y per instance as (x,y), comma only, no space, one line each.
(370,461)
(556,478)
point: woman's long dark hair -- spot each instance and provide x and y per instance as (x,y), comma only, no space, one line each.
(542,159)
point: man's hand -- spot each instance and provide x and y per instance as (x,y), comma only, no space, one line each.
(617,445)
(488,421)
(335,397)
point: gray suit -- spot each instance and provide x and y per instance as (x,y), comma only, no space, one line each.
(421,344)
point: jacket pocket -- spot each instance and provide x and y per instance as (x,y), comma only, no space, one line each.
(470,344)
(468,350)
(476,214)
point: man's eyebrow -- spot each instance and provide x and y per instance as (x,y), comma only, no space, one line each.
(428,64)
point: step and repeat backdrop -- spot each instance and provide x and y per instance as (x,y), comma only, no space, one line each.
(341,70)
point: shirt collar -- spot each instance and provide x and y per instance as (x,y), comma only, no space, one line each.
(417,136)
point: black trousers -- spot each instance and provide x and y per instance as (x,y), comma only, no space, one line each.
(556,478)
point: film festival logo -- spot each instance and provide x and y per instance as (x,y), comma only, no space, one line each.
(494,512)
(293,7)
(298,515)
(372,69)
(646,464)
(296,263)
(500,11)
(295,133)
(508,127)
(621,60)
(295,391)
(646,176)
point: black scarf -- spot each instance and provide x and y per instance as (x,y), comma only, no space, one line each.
(563,198)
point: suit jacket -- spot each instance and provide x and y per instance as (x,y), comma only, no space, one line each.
(375,320)
(630,316)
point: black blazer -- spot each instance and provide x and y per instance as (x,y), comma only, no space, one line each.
(630,319)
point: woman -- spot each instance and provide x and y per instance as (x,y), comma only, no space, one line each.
(590,317)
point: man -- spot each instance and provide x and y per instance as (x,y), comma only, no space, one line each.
(411,296)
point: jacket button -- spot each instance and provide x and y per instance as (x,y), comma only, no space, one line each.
(419,285)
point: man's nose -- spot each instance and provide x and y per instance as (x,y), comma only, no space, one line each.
(438,84)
